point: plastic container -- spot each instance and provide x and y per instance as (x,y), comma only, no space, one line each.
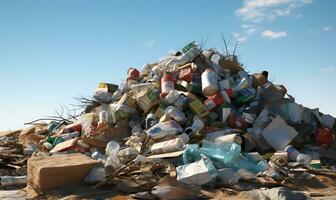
(161,130)
(231,138)
(198,108)
(209,82)
(186,74)
(245,95)
(96,175)
(52,126)
(225,114)
(196,126)
(111,151)
(295,155)
(197,173)
(324,136)
(151,120)
(278,133)
(132,73)
(214,101)
(13,180)
(182,102)
(176,144)
(224,84)
(127,153)
(227,155)
(171,97)
(167,84)
(176,114)
(95,154)
(103,117)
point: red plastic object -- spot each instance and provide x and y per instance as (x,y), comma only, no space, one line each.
(229,91)
(186,74)
(73,127)
(238,122)
(167,84)
(132,73)
(214,101)
(324,136)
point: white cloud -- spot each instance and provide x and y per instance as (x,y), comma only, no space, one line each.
(273,35)
(150,43)
(246,26)
(239,37)
(328,69)
(258,10)
(326,28)
(251,31)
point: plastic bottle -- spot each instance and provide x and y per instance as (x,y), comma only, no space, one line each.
(127,153)
(209,82)
(171,97)
(167,84)
(161,130)
(176,144)
(214,101)
(13,180)
(103,117)
(151,120)
(182,102)
(295,155)
(111,151)
(95,154)
(231,138)
(97,174)
(228,155)
(224,84)
(176,114)
(196,126)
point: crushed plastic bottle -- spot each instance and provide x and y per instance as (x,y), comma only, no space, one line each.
(161,130)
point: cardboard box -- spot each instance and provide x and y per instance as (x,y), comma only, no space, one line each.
(45,173)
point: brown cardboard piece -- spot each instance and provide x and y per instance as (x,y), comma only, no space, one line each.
(45,173)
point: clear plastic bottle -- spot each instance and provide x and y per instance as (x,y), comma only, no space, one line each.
(13,180)
(111,151)
(161,130)
(176,114)
(295,155)
(228,155)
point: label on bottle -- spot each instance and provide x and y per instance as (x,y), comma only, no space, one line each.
(167,86)
(210,104)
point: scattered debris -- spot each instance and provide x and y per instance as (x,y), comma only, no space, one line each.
(193,120)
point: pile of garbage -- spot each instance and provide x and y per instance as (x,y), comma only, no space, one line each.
(195,119)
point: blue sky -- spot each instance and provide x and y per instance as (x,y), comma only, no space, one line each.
(50,51)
